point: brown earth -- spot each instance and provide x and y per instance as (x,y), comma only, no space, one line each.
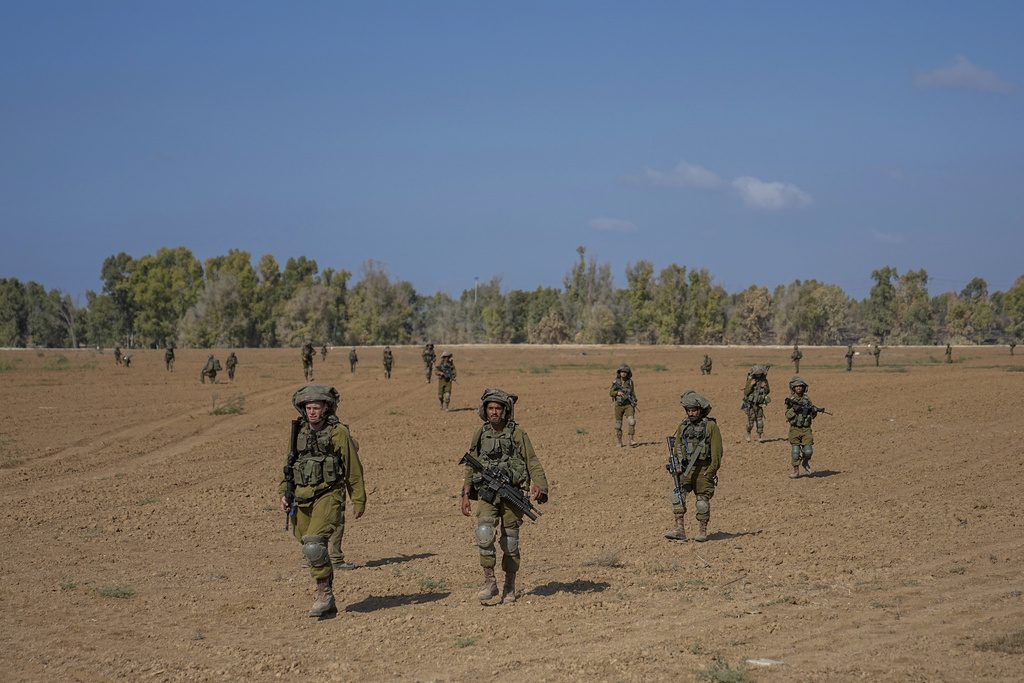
(142,540)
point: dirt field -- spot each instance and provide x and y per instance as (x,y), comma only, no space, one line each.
(142,540)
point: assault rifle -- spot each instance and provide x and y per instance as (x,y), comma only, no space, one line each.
(810,409)
(678,471)
(289,473)
(495,484)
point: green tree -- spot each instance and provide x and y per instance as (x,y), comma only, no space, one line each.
(116,274)
(881,309)
(641,325)
(43,326)
(268,303)
(306,315)
(670,305)
(219,316)
(914,319)
(12,312)
(704,309)
(163,286)
(751,319)
(1013,308)
(102,320)
(380,312)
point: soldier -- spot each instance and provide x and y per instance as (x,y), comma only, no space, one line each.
(307,360)
(117,355)
(876,351)
(169,358)
(323,352)
(705,367)
(210,370)
(795,357)
(623,395)
(697,438)
(949,353)
(755,398)
(389,359)
(501,443)
(800,412)
(849,357)
(428,360)
(445,377)
(1013,345)
(326,468)
(353,358)
(127,360)
(231,363)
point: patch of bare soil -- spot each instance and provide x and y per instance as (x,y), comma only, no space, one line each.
(142,540)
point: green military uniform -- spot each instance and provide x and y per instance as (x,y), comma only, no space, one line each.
(353,358)
(169,358)
(323,352)
(128,360)
(705,367)
(795,357)
(508,449)
(876,351)
(307,361)
(1013,345)
(117,355)
(210,370)
(445,377)
(327,467)
(699,440)
(231,363)
(849,357)
(800,413)
(389,360)
(428,360)
(623,395)
(949,353)
(755,398)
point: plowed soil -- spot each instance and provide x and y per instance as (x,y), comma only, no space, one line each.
(141,536)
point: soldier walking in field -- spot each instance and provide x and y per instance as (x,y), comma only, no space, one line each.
(117,355)
(428,360)
(210,370)
(705,367)
(697,446)
(389,360)
(353,358)
(849,357)
(445,377)
(876,351)
(169,358)
(323,467)
(323,353)
(231,363)
(307,360)
(795,357)
(503,445)
(800,413)
(755,398)
(623,395)
(1013,345)
(949,353)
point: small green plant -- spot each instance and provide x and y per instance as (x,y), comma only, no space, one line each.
(610,559)
(149,501)
(465,642)
(433,584)
(1011,644)
(720,672)
(957,569)
(581,431)
(198,635)
(233,406)
(121,592)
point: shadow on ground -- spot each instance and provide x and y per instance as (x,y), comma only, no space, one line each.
(374,603)
(575,587)
(398,559)
(726,535)
(820,474)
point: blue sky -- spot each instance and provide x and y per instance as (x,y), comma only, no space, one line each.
(451,140)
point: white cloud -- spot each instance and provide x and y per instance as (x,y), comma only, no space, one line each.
(886,238)
(963,74)
(685,174)
(769,195)
(612,224)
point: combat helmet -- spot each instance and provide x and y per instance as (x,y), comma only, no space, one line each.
(796,381)
(316,392)
(446,354)
(758,370)
(691,399)
(497,396)
(626,369)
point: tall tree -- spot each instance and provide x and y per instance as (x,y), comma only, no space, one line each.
(881,309)
(163,287)
(12,312)
(641,325)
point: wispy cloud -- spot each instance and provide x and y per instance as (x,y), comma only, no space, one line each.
(963,74)
(886,238)
(685,174)
(770,195)
(755,193)
(607,224)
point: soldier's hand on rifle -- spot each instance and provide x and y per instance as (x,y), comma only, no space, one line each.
(285,507)
(464,505)
(537,494)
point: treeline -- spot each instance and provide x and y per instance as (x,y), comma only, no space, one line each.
(171,298)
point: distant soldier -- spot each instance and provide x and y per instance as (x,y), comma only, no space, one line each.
(705,367)
(876,351)
(699,440)
(210,370)
(755,398)
(117,355)
(353,358)
(623,395)
(1013,345)
(389,360)
(428,360)
(307,360)
(169,358)
(128,360)
(849,357)
(795,357)
(323,352)
(949,353)
(231,363)
(445,377)
(800,412)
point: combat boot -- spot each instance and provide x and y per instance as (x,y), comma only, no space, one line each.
(618,439)
(632,441)
(508,591)
(760,437)
(324,602)
(796,472)
(678,533)
(440,402)
(490,589)
(702,533)
(807,467)
(748,436)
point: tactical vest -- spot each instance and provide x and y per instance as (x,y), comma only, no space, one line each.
(802,417)
(500,450)
(759,391)
(626,388)
(446,371)
(317,462)
(696,439)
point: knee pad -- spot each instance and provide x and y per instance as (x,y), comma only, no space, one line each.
(631,421)
(314,548)
(808,451)
(796,452)
(703,506)
(679,500)
(510,542)
(483,534)
(618,425)
(760,424)
(447,396)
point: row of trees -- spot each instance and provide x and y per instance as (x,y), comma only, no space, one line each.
(170,298)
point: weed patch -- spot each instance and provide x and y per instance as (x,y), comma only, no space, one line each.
(610,559)
(122,592)
(1011,644)
(57,363)
(720,672)
(6,366)
(433,585)
(465,642)
(233,406)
